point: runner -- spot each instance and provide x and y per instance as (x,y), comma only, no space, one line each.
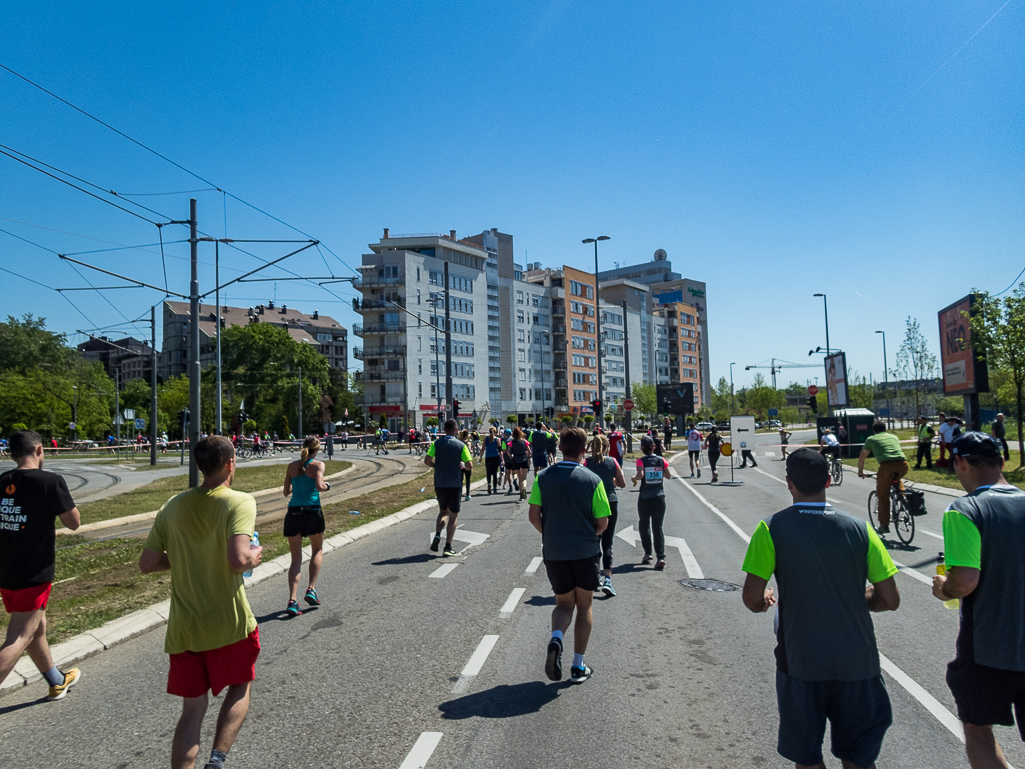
(507,464)
(551,445)
(519,451)
(983,538)
(694,440)
(569,507)
(538,443)
(304,480)
(893,466)
(30,500)
(616,442)
(202,536)
(492,459)
(464,436)
(611,474)
(714,445)
(827,663)
(652,470)
(784,440)
(448,456)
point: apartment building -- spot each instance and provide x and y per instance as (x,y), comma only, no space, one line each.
(325,334)
(122,359)
(684,345)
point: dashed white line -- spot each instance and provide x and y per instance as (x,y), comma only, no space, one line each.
(932,534)
(534,563)
(422,751)
(511,602)
(904,569)
(475,663)
(442,571)
(769,475)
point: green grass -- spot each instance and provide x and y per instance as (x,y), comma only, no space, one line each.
(104,583)
(154,494)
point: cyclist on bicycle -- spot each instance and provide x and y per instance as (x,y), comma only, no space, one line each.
(893,465)
(829,444)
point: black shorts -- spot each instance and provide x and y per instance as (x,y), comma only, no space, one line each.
(540,460)
(306,521)
(523,464)
(694,453)
(858,711)
(567,575)
(449,498)
(985,696)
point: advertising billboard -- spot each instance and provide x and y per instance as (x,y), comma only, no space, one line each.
(836,380)
(963,372)
(676,398)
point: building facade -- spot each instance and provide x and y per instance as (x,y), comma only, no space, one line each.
(122,359)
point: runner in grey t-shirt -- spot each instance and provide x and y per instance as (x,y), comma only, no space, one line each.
(448,456)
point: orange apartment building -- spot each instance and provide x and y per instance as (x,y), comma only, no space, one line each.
(684,336)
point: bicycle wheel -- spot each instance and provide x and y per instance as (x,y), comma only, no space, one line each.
(837,473)
(903,520)
(873,510)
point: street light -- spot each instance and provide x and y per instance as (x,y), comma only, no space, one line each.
(886,380)
(825,308)
(597,309)
(74,415)
(731,387)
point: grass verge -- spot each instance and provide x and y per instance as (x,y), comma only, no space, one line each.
(154,494)
(100,581)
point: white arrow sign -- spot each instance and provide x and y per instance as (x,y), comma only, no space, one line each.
(690,563)
(473,537)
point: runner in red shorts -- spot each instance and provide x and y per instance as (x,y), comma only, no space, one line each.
(212,637)
(29,501)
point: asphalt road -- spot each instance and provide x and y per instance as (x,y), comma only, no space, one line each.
(403,667)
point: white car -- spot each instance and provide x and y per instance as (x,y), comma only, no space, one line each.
(702,426)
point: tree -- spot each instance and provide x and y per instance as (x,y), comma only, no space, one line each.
(721,403)
(998,331)
(914,361)
(26,344)
(645,398)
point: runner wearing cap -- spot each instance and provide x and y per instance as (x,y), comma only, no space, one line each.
(983,539)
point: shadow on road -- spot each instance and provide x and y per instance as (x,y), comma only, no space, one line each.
(408,559)
(541,600)
(282,616)
(503,701)
(23,705)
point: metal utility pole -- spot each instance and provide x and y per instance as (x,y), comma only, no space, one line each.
(825,309)
(217,299)
(541,361)
(302,435)
(448,346)
(597,313)
(732,410)
(626,348)
(437,360)
(153,387)
(886,381)
(194,411)
(117,411)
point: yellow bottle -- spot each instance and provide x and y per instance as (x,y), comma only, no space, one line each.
(941,568)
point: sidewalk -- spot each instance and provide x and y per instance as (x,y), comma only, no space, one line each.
(117,631)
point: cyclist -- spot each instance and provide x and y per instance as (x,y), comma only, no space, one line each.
(893,465)
(829,444)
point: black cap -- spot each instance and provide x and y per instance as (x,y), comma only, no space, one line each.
(808,465)
(975,444)
(647,442)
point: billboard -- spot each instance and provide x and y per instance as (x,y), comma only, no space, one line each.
(676,398)
(963,372)
(836,380)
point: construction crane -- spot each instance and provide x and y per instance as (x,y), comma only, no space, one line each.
(781,365)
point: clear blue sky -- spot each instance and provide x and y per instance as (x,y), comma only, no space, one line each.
(874,151)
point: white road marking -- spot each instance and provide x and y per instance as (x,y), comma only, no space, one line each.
(932,534)
(422,751)
(474,665)
(770,475)
(690,563)
(944,716)
(904,569)
(739,531)
(473,537)
(534,563)
(442,571)
(511,602)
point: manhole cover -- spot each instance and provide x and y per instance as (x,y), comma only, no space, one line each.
(711,585)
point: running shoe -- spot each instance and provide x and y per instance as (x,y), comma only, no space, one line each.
(699,472)
(553,662)
(71,677)
(606,587)
(691,473)
(647,559)
(467,498)
(883,530)
(311,597)
(579,675)
(660,565)
(448,551)
(293,610)
(435,543)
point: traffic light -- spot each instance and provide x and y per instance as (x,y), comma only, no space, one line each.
(813,404)
(665,405)
(455,408)
(550,412)
(596,407)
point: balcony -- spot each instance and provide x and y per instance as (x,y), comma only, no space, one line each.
(561,383)
(370,399)
(370,353)
(360,329)
(558,310)
(559,365)
(379,375)
(363,305)
(375,280)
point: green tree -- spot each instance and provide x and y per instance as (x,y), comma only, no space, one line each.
(26,344)
(645,398)
(721,400)
(998,330)
(914,361)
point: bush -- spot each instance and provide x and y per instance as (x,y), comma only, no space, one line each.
(512,419)
(249,426)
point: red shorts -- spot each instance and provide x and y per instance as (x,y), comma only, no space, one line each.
(192,674)
(26,599)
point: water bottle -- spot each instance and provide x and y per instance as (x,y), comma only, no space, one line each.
(254,542)
(941,568)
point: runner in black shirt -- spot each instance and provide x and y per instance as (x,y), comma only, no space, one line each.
(713,442)
(29,501)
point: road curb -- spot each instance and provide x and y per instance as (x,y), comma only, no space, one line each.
(138,517)
(124,628)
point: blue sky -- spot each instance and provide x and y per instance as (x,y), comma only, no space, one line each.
(873,151)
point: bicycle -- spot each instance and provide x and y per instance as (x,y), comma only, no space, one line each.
(900,512)
(836,470)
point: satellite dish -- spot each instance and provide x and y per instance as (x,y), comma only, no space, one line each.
(661,255)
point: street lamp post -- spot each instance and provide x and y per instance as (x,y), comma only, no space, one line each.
(731,387)
(74,415)
(825,308)
(597,311)
(886,380)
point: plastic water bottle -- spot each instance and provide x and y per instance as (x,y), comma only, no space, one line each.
(254,542)
(941,568)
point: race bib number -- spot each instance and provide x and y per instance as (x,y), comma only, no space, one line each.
(652,475)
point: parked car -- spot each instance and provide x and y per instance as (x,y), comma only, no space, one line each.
(771,423)
(704,426)
(723,426)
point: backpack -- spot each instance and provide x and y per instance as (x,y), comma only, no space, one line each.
(916,502)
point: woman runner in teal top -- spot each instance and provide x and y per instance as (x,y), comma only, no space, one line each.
(304,480)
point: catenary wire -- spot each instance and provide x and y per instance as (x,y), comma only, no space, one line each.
(1012,283)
